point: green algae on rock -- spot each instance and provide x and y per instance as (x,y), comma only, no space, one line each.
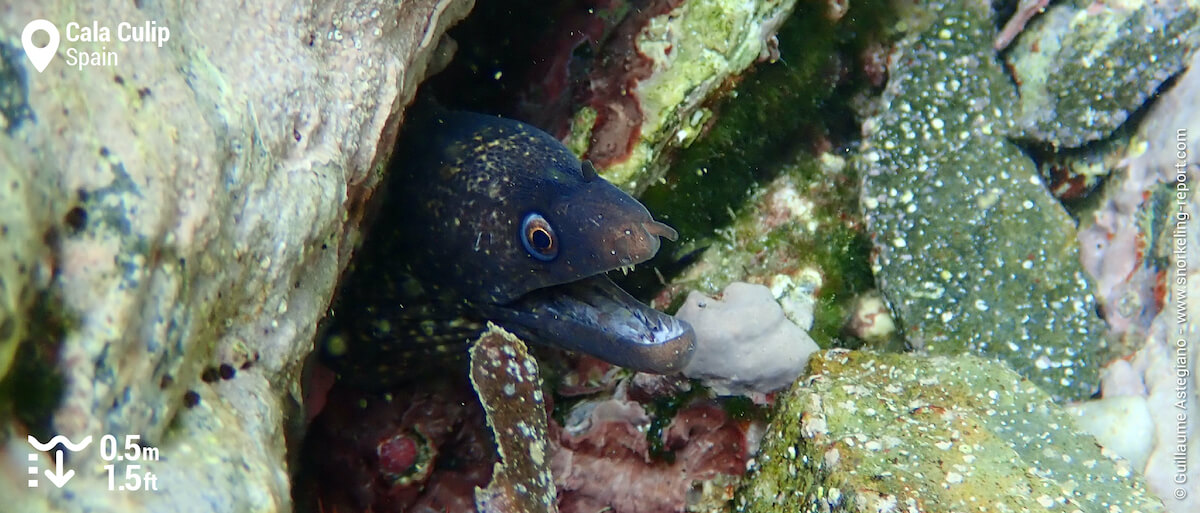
(693,49)
(870,432)
(795,236)
(506,379)
(773,213)
(792,96)
(1084,67)
(970,249)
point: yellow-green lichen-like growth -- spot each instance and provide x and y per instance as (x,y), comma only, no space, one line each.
(891,432)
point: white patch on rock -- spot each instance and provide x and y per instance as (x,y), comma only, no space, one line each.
(1121,424)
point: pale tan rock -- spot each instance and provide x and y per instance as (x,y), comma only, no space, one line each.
(221,180)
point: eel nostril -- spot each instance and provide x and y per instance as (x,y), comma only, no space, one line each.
(661,230)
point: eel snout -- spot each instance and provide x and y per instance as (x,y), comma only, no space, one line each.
(596,317)
(638,241)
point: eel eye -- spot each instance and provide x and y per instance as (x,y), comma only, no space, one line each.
(538,237)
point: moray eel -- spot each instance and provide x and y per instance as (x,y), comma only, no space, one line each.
(490,219)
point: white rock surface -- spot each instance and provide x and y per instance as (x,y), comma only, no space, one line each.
(1121,424)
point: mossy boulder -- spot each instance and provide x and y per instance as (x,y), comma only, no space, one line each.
(970,248)
(868,432)
(1083,68)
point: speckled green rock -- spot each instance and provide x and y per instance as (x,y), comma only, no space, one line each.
(872,432)
(1084,67)
(970,249)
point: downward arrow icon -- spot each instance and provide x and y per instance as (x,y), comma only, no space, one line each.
(58,477)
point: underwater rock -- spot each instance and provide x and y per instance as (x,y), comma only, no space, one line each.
(661,65)
(970,249)
(426,446)
(26,267)
(871,320)
(1124,239)
(744,343)
(1121,424)
(776,118)
(1162,376)
(872,432)
(185,210)
(1082,68)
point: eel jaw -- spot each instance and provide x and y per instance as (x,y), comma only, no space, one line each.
(594,316)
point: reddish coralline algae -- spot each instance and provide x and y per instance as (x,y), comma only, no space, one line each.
(612,86)
(875,58)
(426,448)
(397,456)
(563,62)
(611,28)
(387,452)
(604,461)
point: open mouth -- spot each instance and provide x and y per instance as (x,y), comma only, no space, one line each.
(594,316)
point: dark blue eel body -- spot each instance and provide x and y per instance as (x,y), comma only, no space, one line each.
(490,219)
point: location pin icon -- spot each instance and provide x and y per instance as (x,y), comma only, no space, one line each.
(40,57)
